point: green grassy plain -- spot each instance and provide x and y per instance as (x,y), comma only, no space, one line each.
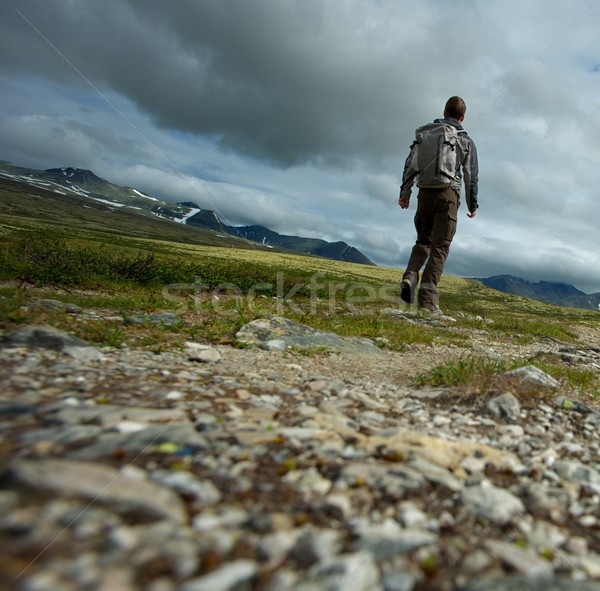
(131,272)
(124,264)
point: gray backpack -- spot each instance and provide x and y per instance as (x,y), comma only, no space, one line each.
(434,156)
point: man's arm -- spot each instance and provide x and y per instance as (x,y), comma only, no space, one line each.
(471,178)
(408,178)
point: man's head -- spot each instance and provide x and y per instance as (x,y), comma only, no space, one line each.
(455,108)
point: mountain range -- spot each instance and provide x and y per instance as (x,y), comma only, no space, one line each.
(560,294)
(86,189)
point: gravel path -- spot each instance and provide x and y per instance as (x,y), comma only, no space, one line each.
(217,468)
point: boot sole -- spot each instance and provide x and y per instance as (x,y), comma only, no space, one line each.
(406,294)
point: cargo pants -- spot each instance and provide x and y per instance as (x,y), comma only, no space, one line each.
(435,222)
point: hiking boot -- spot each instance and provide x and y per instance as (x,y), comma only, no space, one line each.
(435,311)
(406,292)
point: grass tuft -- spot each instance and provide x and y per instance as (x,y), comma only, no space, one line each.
(469,370)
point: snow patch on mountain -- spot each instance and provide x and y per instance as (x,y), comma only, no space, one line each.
(142,195)
(112,203)
(187,216)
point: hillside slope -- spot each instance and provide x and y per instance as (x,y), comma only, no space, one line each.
(83,188)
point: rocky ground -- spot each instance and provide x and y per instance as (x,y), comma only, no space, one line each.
(226,469)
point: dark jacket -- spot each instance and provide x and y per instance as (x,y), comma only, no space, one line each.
(467,168)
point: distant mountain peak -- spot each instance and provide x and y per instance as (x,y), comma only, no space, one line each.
(339,251)
(207,218)
(78,175)
(190,204)
(552,292)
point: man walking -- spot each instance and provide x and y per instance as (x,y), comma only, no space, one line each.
(441,156)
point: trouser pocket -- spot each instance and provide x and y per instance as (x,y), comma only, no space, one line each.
(451,227)
(446,221)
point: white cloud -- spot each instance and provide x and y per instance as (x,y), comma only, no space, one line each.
(381,187)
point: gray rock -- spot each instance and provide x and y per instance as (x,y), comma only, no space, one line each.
(54,306)
(69,435)
(395,481)
(531,373)
(475,563)
(519,583)
(275,546)
(589,355)
(203,491)
(399,581)
(301,337)
(274,345)
(165,541)
(522,560)
(315,545)
(122,491)
(411,516)
(9,501)
(504,406)
(546,501)
(544,536)
(110,415)
(202,353)
(282,580)
(428,393)
(43,337)
(436,474)
(567,403)
(497,505)
(208,355)
(578,473)
(347,572)
(337,505)
(577,545)
(156,319)
(510,435)
(418,317)
(388,539)
(84,354)
(10,408)
(591,564)
(229,518)
(309,481)
(593,421)
(238,575)
(182,436)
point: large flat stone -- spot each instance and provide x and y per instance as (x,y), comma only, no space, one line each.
(42,337)
(264,331)
(120,490)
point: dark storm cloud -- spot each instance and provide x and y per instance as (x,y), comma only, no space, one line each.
(285,81)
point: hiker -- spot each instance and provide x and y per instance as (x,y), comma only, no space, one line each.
(440,157)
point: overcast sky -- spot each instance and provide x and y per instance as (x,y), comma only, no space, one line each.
(298,114)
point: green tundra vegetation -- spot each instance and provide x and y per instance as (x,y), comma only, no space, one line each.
(214,290)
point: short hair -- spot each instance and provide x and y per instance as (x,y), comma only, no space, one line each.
(455,108)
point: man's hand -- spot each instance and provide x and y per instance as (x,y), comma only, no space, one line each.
(472,214)
(404,202)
